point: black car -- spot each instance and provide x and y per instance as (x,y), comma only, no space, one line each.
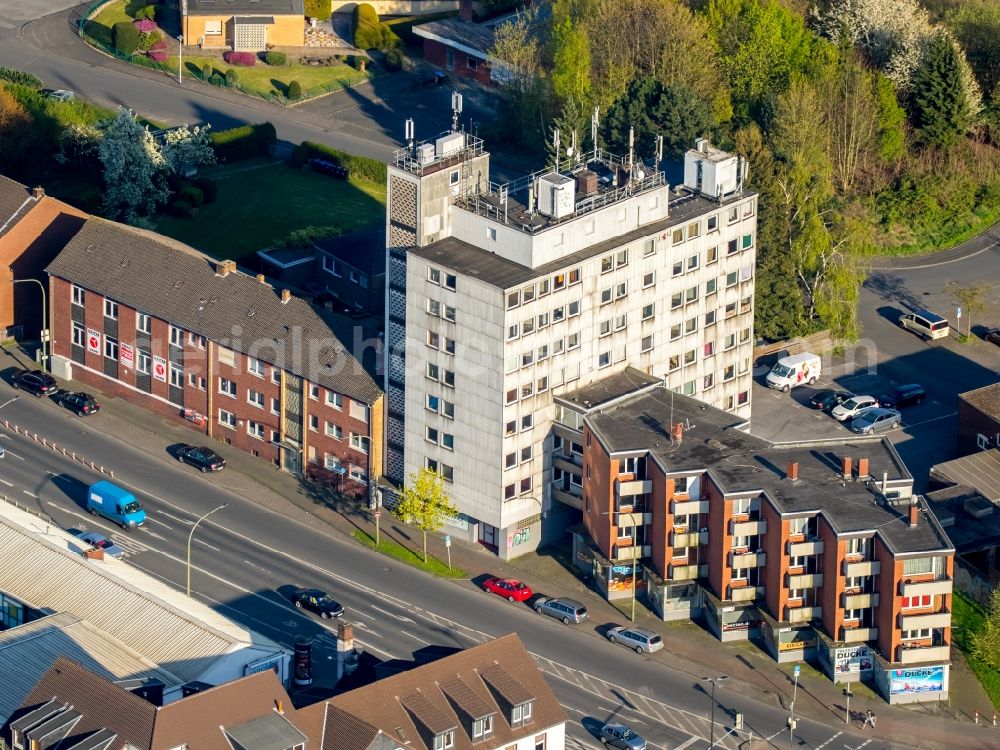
(993,336)
(903,395)
(317,601)
(826,400)
(81,403)
(204,458)
(36,382)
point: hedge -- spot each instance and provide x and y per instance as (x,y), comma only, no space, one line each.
(361,167)
(20,77)
(276,58)
(294,90)
(191,194)
(209,189)
(246,59)
(244,142)
(366,27)
(126,37)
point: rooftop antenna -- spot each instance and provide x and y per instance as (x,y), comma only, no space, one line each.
(659,154)
(456,110)
(595,119)
(571,150)
(556,143)
(409,133)
(631,155)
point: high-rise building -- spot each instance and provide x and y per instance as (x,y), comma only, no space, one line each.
(500,296)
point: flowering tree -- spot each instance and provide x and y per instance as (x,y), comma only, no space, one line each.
(186,147)
(132,161)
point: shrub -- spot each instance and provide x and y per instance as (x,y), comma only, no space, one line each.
(244,142)
(388,39)
(157,55)
(360,167)
(206,71)
(158,46)
(148,38)
(245,59)
(294,90)
(366,27)
(394,59)
(276,58)
(182,209)
(217,79)
(20,77)
(209,189)
(145,25)
(318,9)
(191,194)
(232,77)
(125,36)
(148,12)
(309,236)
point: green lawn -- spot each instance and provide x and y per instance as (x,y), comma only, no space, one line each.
(408,556)
(99,27)
(966,619)
(261,201)
(267,80)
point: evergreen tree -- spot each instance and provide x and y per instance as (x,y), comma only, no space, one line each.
(652,109)
(132,161)
(941,105)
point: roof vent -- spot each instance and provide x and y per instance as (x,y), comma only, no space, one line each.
(178,284)
(124,263)
(91,248)
(250,313)
(225,267)
(286,295)
(38,192)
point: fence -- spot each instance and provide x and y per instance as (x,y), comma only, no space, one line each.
(817,343)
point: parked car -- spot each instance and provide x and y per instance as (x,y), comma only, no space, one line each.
(639,639)
(993,336)
(561,608)
(926,324)
(795,370)
(62,95)
(99,541)
(203,458)
(851,407)
(903,395)
(509,588)
(35,382)
(81,403)
(826,400)
(621,736)
(317,601)
(870,421)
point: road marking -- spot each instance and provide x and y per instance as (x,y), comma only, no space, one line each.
(206,544)
(418,640)
(173,517)
(166,526)
(5,25)
(390,614)
(9,484)
(932,419)
(820,747)
(29,494)
(690,741)
(252,565)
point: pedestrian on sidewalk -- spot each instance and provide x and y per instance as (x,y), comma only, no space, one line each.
(869,719)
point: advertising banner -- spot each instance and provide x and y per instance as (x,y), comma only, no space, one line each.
(160,369)
(856,659)
(93,341)
(919,680)
(126,355)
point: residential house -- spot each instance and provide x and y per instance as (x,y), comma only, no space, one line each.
(153,321)
(243,25)
(979,419)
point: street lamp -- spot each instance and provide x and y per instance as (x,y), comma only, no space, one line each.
(46,334)
(190,536)
(714,680)
(180,58)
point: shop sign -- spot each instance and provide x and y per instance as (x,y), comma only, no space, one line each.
(856,659)
(93,341)
(796,645)
(126,355)
(913,681)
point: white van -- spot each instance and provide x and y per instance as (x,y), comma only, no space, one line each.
(798,369)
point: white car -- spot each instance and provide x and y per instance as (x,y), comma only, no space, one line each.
(850,408)
(62,95)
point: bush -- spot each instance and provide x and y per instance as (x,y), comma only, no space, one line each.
(309,236)
(366,27)
(217,79)
(245,142)
(145,25)
(319,9)
(148,12)
(148,38)
(394,59)
(209,189)
(232,77)
(206,71)
(294,90)
(191,194)
(183,209)
(157,55)
(245,59)
(276,58)
(20,77)
(360,167)
(125,36)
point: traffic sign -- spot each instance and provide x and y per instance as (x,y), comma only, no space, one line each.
(447,540)
(958,312)
(798,670)
(378,514)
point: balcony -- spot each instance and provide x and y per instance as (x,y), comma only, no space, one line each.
(628,520)
(859,635)
(861,568)
(804,614)
(859,601)
(925,588)
(800,549)
(686,572)
(745,593)
(571,465)
(805,581)
(928,620)
(630,551)
(633,487)
(689,538)
(747,528)
(688,507)
(740,560)
(567,498)
(918,654)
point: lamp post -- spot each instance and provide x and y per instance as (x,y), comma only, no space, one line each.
(180,58)
(791,708)
(191,536)
(46,334)
(714,681)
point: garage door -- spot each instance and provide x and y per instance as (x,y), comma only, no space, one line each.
(249,37)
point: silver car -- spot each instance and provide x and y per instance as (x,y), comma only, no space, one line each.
(870,421)
(639,639)
(561,608)
(99,541)
(850,408)
(621,736)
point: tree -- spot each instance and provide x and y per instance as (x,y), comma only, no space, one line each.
(22,145)
(318,9)
(184,148)
(133,185)
(941,106)
(652,109)
(986,640)
(976,23)
(572,119)
(570,73)
(424,503)
(516,56)
(972,298)
(891,121)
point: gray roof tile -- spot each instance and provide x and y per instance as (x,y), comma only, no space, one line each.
(15,202)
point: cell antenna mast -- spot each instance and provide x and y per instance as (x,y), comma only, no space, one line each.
(555,145)
(571,151)
(456,110)
(409,133)
(595,119)
(631,150)
(659,153)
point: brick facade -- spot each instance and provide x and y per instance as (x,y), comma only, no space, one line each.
(457,62)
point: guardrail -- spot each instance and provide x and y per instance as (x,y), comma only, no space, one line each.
(58,449)
(33,511)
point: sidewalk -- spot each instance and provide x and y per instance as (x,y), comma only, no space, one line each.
(690,648)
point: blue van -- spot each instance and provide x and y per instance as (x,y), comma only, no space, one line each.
(115,504)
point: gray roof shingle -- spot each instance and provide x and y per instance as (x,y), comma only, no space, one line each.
(15,202)
(243,7)
(986,399)
(171,281)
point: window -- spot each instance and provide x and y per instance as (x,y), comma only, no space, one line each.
(675,331)
(527,421)
(711,286)
(647,312)
(543,352)
(275,375)
(604,359)
(713,223)
(527,326)
(446,740)
(734,214)
(648,248)
(513,300)
(606,296)
(621,290)
(527,389)
(729,373)
(449,313)
(334,430)
(255,367)
(543,287)
(605,328)
(335,400)
(449,378)
(432,435)
(690,388)
(455,175)
(710,318)
(574,276)
(693,262)
(744,335)
(573,341)
(648,280)
(448,409)
(747,241)
(176,336)
(732,247)
(176,376)
(255,398)
(711,255)
(730,341)
(79,296)
(360,442)
(276,406)
(447,441)
(673,363)
(691,294)
(920,634)
(433,371)
(525,486)
(921,565)
(510,428)
(510,460)
(543,320)
(690,325)
(79,335)
(513,331)
(255,429)
(709,350)
(227,387)
(708,382)
(227,419)
(331,266)
(732,278)
(743,398)
(110,309)
(647,343)
(607,263)
(690,357)
(559,314)
(143,362)
(694,230)
(982,442)
(730,309)
(558,282)
(434,308)
(676,300)
(213,28)
(143,324)
(197,340)
(520,714)
(482,727)
(110,347)
(525,454)
(509,491)
(677,236)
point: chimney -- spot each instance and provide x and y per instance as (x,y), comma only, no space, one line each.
(95,553)
(465,11)
(347,659)
(863,468)
(678,433)
(261,278)
(225,267)
(914,513)
(38,193)
(286,294)
(281,707)
(845,467)
(792,472)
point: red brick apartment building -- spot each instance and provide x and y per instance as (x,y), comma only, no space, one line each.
(820,549)
(153,321)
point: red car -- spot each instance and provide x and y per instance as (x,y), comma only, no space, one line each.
(509,588)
